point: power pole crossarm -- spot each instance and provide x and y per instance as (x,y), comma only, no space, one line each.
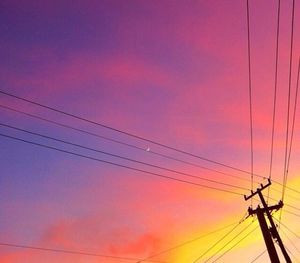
(259,189)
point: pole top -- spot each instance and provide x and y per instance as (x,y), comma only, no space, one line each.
(262,187)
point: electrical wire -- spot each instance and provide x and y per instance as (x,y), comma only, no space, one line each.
(129,159)
(289,239)
(292,254)
(127,144)
(97,135)
(118,165)
(220,240)
(220,249)
(121,157)
(73,252)
(233,246)
(288,104)
(291,213)
(275,94)
(291,206)
(293,123)
(285,226)
(289,195)
(187,242)
(125,158)
(122,132)
(288,110)
(250,93)
(142,149)
(258,256)
(286,187)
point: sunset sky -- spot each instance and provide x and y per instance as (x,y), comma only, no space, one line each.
(172,72)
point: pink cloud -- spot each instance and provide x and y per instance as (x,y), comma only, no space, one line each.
(145,244)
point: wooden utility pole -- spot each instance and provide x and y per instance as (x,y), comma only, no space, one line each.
(268,233)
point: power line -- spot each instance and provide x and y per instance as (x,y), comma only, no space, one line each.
(117,164)
(121,157)
(291,213)
(129,159)
(127,144)
(275,94)
(71,127)
(293,123)
(288,110)
(275,90)
(188,242)
(258,256)
(288,104)
(292,254)
(125,158)
(73,252)
(291,206)
(220,240)
(220,249)
(141,149)
(121,131)
(291,196)
(233,246)
(250,93)
(287,187)
(285,226)
(290,240)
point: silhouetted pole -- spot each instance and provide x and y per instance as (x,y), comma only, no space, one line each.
(273,228)
(272,232)
(266,233)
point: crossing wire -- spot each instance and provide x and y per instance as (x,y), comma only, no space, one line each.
(121,131)
(275,94)
(291,213)
(121,157)
(250,93)
(288,104)
(275,90)
(117,164)
(285,226)
(293,123)
(218,241)
(285,173)
(238,234)
(291,196)
(72,252)
(188,242)
(286,186)
(234,245)
(289,239)
(258,256)
(129,145)
(130,159)
(143,149)
(292,254)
